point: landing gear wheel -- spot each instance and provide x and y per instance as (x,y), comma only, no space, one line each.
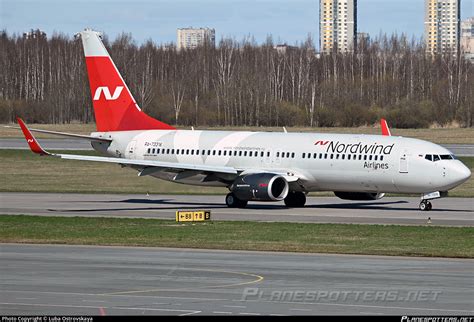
(234,202)
(429,206)
(425,205)
(295,199)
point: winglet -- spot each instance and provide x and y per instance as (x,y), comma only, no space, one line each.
(30,139)
(385,129)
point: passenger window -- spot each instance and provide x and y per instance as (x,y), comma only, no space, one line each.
(187,151)
(245,153)
(381,158)
(325,155)
(153,151)
(320,155)
(365,157)
(148,151)
(370,157)
(268,154)
(219,152)
(203,152)
(235,153)
(208,152)
(332,155)
(213,152)
(278,154)
(293,155)
(192,152)
(177,151)
(261,154)
(360,157)
(429,157)
(303,155)
(348,157)
(197,152)
(240,153)
(337,156)
(250,153)
(172,151)
(375,157)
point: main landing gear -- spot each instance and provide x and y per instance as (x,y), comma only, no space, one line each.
(425,205)
(233,202)
(295,199)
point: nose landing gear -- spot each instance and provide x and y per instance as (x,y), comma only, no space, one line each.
(425,205)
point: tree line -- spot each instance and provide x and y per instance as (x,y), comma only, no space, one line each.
(242,83)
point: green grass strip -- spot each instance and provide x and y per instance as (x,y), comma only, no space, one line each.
(429,241)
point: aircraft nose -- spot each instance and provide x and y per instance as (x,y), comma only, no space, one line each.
(460,173)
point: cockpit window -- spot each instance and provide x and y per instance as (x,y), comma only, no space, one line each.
(435,157)
(446,157)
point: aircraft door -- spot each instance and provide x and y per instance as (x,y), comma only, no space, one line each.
(277,158)
(403,162)
(267,156)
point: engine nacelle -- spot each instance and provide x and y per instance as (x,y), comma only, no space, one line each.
(359,195)
(260,187)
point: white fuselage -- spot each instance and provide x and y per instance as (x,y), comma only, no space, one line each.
(323,162)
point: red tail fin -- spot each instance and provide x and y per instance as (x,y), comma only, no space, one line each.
(385,128)
(115,108)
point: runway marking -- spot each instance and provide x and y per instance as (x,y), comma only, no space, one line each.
(52,305)
(235,306)
(304,310)
(257,280)
(99,308)
(191,313)
(146,296)
(221,312)
(152,309)
(244,313)
(364,306)
(26,298)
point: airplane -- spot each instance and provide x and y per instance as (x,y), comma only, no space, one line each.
(254,166)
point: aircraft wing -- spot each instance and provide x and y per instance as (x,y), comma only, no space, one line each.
(36,148)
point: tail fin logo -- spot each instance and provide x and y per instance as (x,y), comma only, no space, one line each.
(107,95)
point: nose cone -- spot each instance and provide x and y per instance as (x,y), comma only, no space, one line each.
(460,173)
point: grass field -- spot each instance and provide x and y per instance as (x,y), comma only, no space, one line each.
(437,135)
(23,171)
(314,238)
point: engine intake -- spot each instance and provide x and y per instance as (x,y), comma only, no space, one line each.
(359,195)
(260,187)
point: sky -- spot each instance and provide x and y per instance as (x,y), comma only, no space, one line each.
(289,21)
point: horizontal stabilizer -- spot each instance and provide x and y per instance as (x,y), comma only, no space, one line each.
(69,135)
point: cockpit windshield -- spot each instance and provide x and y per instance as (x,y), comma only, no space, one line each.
(436,157)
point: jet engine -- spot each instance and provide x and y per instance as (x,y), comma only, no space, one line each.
(260,187)
(359,195)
